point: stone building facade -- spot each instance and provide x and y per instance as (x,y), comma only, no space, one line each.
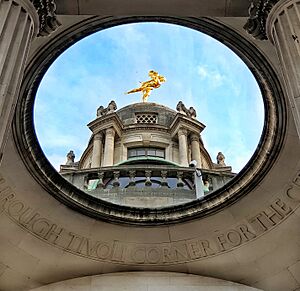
(244,236)
(166,143)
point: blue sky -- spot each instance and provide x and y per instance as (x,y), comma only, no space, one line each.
(200,71)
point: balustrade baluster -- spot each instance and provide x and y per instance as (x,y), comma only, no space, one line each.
(116,182)
(85,182)
(100,183)
(180,183)
(148,176)
(132,174)
(164,181)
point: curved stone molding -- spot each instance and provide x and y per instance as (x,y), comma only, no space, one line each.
(258,14)
(263,159)
(145,281)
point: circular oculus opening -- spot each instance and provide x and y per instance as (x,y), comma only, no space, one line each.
(248,177)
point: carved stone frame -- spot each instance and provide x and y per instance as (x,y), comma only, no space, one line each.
(258,166)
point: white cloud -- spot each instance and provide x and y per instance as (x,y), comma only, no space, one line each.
(213,77)
(202,71)
(217,79)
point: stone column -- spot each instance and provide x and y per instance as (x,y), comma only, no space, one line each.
(196,149)
(97,150)
(283,29)
(182,141)
(18,25)
(108,158)
(20,21)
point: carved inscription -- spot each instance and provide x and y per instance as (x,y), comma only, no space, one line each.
(148,254)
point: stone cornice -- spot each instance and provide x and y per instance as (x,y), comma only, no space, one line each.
(258,14)
(47,17)
(182,121)
(106,121)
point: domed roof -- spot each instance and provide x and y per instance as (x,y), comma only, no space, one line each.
(162,115)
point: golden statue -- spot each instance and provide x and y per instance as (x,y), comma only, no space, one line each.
(147,86)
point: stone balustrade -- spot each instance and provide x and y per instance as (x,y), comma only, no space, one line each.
(133,181)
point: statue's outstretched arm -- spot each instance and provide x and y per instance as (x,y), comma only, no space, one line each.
(134,90)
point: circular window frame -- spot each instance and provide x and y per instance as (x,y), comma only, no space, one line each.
(262,160)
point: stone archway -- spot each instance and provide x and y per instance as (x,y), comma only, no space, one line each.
(262,160)
(252,239)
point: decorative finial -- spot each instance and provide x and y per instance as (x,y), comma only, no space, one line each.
(147,86)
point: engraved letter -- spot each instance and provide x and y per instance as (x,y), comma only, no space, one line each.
(15,208)
(281,207)
(194,249)
(41,226)
(153,255)
(138,255)
(234,237)
(206,248)
(248,235)
(55,232)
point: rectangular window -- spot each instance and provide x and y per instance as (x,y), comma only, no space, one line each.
(146,152)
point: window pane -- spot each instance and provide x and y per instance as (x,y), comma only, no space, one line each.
(140,152)
(160,153)
(131,153)
(151,152)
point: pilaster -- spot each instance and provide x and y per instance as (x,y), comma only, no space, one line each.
(279,21)
(20,21)
(283,30)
